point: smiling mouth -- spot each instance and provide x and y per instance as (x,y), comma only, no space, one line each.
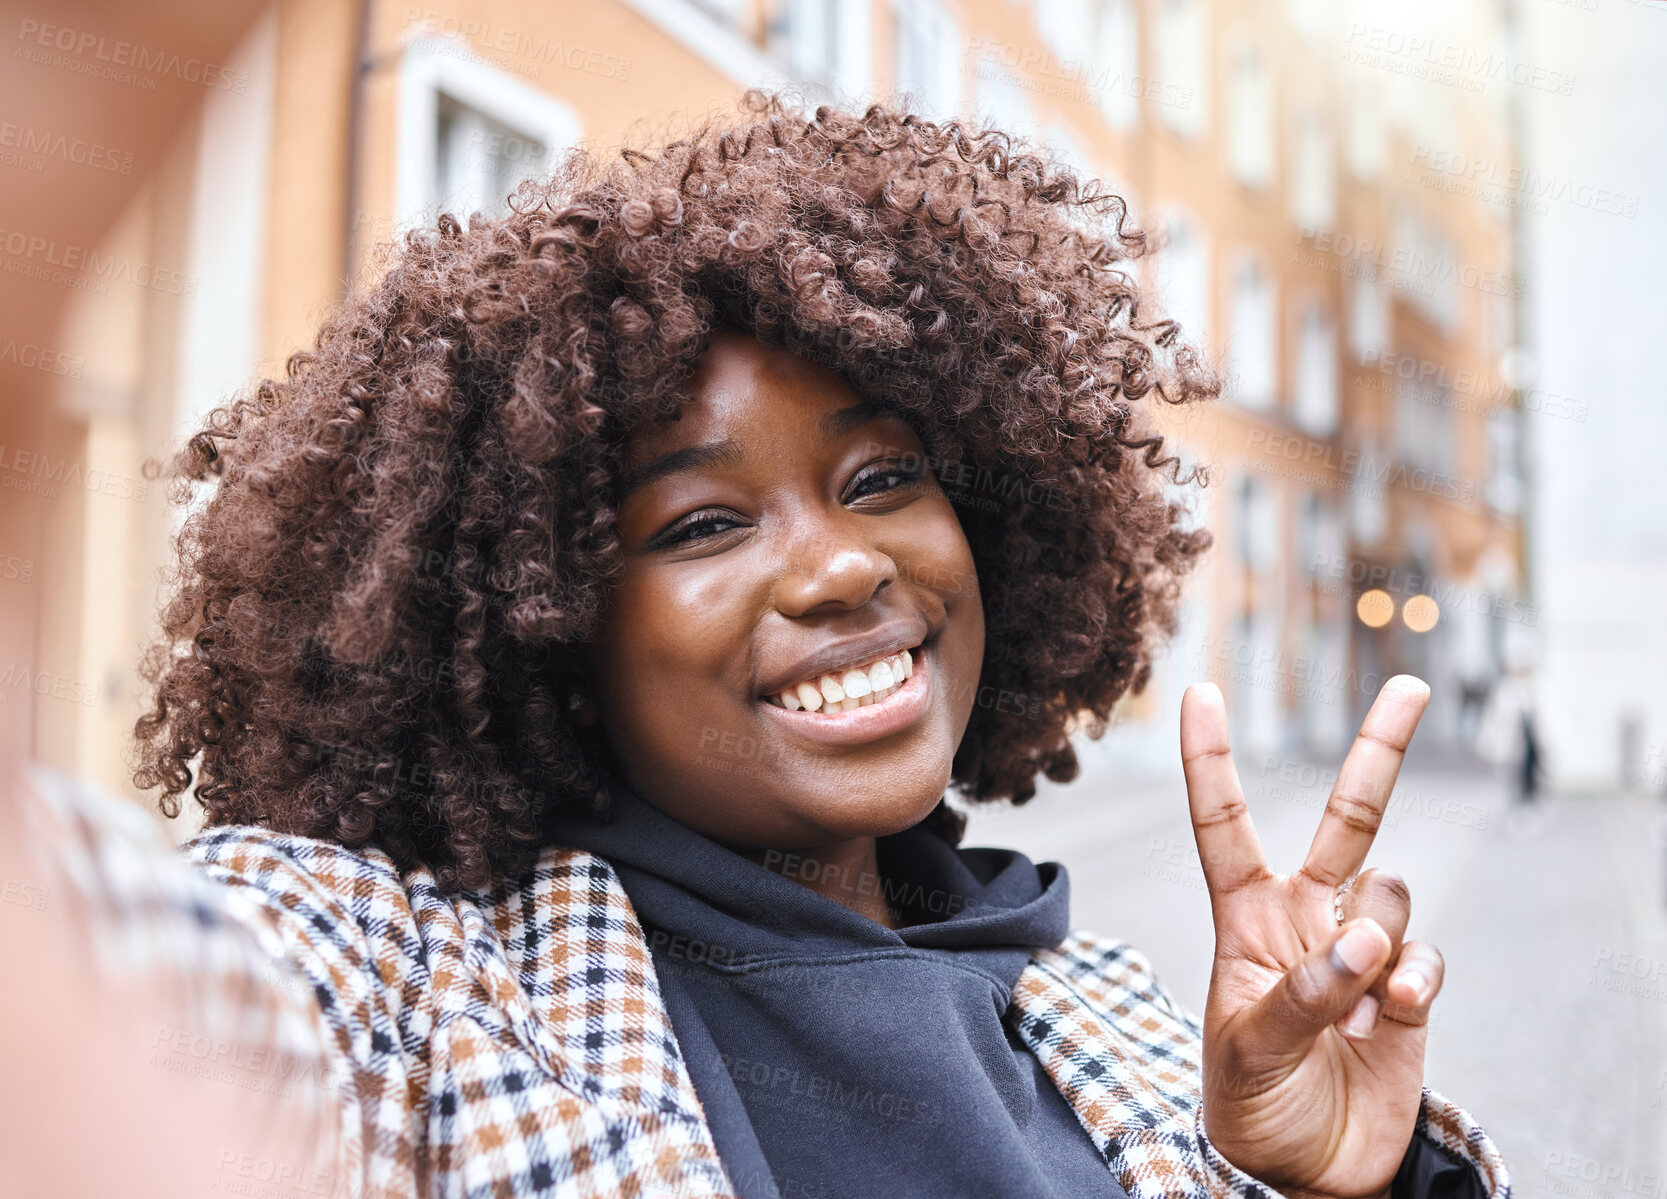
(847,690)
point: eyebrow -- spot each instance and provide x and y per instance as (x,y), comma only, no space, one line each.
(728,452)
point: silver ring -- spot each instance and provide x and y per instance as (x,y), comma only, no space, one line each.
(1337,899)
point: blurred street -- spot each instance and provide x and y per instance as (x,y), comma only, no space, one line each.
(1565,1066)
(1416,241)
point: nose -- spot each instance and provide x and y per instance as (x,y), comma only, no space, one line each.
(830,564)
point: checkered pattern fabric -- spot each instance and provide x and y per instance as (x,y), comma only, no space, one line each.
(1128,1059)
(503,1043)
(514,1042)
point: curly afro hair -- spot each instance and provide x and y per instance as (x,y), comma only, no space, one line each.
(370,631)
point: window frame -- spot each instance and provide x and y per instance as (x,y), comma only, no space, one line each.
(431,66)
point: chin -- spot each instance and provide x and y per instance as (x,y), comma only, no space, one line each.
(879,816)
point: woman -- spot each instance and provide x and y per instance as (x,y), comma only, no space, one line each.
(578,645)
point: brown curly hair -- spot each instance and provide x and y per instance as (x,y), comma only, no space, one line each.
(370,632)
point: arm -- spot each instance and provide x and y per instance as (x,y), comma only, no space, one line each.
(1318,1012)
(1130,1060)
(1448,1157)
(150,1014)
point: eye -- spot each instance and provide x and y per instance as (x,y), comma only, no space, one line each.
(695,527)
(887,476)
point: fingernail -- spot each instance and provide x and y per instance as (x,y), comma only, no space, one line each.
(1356,949)
(1407,685)
(1415,980)
(1362,1017)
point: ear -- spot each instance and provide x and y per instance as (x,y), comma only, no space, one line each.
(582,709)
(569,669)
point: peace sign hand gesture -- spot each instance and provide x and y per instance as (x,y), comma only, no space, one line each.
(1313,1033)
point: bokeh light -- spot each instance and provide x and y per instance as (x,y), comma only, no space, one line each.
(1375,608)
(1420,613)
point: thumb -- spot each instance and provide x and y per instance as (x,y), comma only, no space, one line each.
(1318,991)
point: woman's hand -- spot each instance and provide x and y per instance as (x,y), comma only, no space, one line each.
(1313,1033)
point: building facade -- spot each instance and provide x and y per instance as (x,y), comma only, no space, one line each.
(1365,491)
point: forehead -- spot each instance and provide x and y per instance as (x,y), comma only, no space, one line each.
(741,389)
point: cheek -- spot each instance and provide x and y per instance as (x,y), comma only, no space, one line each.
(670,643)
(941,561)
(963,598)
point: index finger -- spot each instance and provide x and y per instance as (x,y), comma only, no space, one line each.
(1229,851)
(1365,781)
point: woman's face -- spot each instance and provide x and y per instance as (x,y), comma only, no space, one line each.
(778,536)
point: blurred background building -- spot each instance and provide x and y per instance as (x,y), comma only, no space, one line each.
(1368,496)
(1423,242)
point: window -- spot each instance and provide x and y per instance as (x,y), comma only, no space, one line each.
(1066,26)
(929,57)
(1319,536)
(1325,712)
(1368,318)
(1429,116)
(728,11)
(1440,298)
(1313,186)
(813,39)
(1095,43)
(1001,97)
(1500,322)
(1183,280)
(469,133)
(1315,389)
(1425,269)
(1368,506)
(1258,631)
(1424,426)
(1257,526)
(1250,119)
(1365,144)
(1254,692)
(1116,77)
(1181,50)
(826,42)
(1322,637)
(1504,489)
(1067,150)
(478,161)
(1311,18)
(1252,370)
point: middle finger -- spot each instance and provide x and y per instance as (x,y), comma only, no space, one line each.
(1364,783)
(1383,895)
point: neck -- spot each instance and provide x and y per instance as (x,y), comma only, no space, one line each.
(847,873)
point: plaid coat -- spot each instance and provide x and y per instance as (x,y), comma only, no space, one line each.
(514,1042)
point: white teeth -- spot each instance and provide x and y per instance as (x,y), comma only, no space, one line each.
(850,689)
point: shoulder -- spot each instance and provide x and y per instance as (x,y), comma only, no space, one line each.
(253,856)
(374,939)
(338,910)
(333,894)
(1112,977)
(521,1022)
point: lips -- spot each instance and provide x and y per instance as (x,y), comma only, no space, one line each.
(843,691)
(841,657)
(903,708)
